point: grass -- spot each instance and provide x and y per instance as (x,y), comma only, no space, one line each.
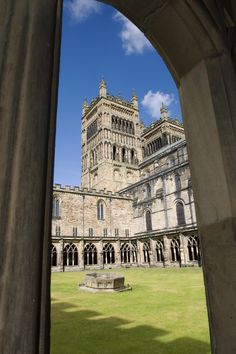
(165,313)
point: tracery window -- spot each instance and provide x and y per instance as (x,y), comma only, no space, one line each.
(175,250)
(146,250)
(193,248)
(70,255)
(148,220)
(128,253)
(108,254)
(100,210)
(123,157)
(53,256)
(159,251)
(114,152)
(180,214)
(90,254)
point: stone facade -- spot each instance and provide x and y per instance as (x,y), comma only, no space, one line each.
(136,205)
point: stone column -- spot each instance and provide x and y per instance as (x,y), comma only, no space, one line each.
(152,252)
(60,258)
(100,255)
(182,251)
(81,254)
(29,58)
(140,252)
(117,253)
(166,251)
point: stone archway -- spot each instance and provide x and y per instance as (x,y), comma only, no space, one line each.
(196,39)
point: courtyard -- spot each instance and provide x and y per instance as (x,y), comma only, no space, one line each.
(165,313)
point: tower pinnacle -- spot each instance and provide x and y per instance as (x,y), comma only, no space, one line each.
(85,106)
(164,112)
(103,89)
(134,100)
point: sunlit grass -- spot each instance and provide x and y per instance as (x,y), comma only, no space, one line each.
(165,313)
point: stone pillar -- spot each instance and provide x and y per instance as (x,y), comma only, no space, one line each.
(182,251)
(117,253)
(140,252)
(100,254)
(81,254)
(166,251)
(60,258)
(152,252)
(29,58)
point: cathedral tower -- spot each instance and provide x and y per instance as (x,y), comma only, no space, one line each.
(111,141)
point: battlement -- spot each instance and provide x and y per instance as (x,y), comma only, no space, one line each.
(174,121)
(83,191)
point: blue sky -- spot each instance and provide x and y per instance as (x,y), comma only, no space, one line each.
(99,42)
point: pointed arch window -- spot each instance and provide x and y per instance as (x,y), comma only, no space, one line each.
(175,250)
(180,214)
(128,253)
(53,256)
(193,248)
(146,250)
(160,251)
(70,255)
(100,210)
(108,254)
(148,220)
(90,254)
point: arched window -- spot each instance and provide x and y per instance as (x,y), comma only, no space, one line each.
(125,253)
(193,250)
(128,253)
(148,220)
(148,191)
(100,210)
(132,159)
(53,256)
(108,254)
(177,182)
(56,208)
(90,254)
(159,251)
(114,153)
(123,155)
(134,253)
(180,213)
(174,248)
(70,255)
(146,250)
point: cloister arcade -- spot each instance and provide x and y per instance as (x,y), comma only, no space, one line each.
(160,252)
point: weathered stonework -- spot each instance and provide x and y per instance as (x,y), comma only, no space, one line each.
(122,235)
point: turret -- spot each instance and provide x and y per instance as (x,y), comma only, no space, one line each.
(84,107)
(103,89)
(134,100)
(164,112)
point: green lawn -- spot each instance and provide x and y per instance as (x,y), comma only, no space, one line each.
(165,313)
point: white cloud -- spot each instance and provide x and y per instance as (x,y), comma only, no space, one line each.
(152,102)
(133,40)
(80,10)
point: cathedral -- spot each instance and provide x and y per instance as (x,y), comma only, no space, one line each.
(135,207)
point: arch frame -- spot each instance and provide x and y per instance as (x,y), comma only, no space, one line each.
(206,79)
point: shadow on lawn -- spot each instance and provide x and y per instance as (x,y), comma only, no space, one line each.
(83,332)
